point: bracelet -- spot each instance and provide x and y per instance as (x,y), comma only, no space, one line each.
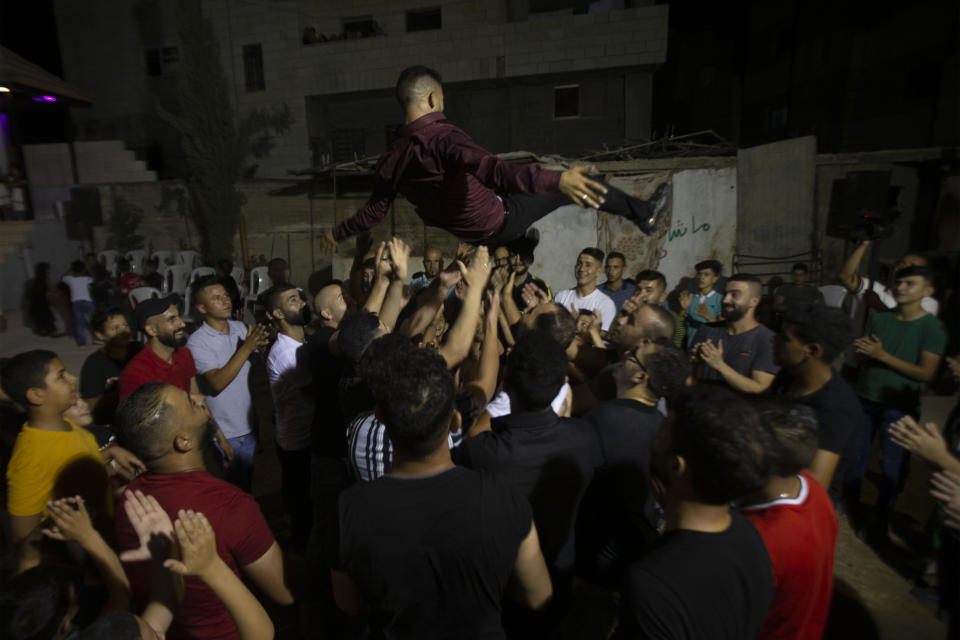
(112,441)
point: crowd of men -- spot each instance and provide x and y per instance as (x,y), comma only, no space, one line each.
(463,451)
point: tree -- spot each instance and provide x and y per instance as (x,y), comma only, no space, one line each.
(215,145)
(122,226)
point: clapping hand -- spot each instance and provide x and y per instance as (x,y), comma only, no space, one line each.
(70,521)
(148,520)
(198,545)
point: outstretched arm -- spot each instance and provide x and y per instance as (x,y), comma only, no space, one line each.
(848,275)
(460,337)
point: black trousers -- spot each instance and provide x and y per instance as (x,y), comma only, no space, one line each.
(524,209)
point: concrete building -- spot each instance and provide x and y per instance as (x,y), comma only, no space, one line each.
(542,75)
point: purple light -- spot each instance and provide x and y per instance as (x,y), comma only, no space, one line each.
(49,98)
(37,99)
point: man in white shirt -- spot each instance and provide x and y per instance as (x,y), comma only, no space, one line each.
(293,405)
(221,350)
(858,285)
(586,295)
(79,282)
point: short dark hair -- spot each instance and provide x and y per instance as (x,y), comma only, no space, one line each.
(926,273)
(34,603)
(140,420)
(152,262)
(357,331)
(270,299)
(536,369)
(123,264)
(202,283)
(800,266)
(593,252)
(119,625)
(668,368)
(653,276)
(616,254)
(417,404)
(828,327)
(558,324)
(408,80)
(755,283)
(379,361)
(795,434)
(713,265)
(25,371)
(77,266)
(723,442)
(99,319)
(225,265)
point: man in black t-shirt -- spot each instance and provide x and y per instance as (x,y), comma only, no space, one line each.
(551,460)
(101,369)
(430,547)
(618,517)
(740,350)
(710,576)
(808,342)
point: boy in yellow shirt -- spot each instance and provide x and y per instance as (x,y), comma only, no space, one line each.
(48,442)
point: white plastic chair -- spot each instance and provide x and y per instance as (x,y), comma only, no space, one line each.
(200,272)
(237,275)
(259,282)
(188,258)
(165,258)
(138,295)
(108,258)
(175,278)
(137,259)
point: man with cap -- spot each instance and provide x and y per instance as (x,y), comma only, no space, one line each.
(165,357)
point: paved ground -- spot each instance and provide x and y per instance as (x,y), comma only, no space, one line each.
(873,587)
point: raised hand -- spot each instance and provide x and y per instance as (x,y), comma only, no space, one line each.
(198,545)
(257,338)
(925,441)
(499,277)
(70,521)
(400,255)
(148,519)
(383,263)
(327,242)
(576,185)
(477,274)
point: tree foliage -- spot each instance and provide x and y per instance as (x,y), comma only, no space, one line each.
(215,144)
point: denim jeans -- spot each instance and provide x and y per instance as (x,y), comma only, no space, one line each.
(81,312)
(240,471)
(894,459)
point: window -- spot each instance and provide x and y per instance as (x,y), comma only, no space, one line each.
(348,144)
(360,27)
(160,61)
(566,101)
(424,19)
(253,67)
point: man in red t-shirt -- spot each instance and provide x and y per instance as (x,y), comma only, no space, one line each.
(795,517)
(169,428)
(165,358)
(128,279)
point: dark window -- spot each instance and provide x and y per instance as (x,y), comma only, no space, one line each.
(566,101)
(253,67)
(151,62)
(360,27)
(424,19)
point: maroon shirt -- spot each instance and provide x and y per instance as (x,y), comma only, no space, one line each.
(147,366)
(449,179)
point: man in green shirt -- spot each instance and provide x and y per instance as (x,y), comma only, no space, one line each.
(901,351)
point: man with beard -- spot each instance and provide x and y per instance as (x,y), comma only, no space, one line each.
(101,370)
(652,289)
(165,358)
(710,575)
(170,430)
(293,404)
(520,265)
(739,351)
(222,349)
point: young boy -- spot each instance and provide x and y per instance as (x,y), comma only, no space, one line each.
(901,351)
(101,370)
(48,442)
(706,305)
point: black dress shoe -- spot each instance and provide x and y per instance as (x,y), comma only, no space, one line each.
(524,245)
(657,206)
